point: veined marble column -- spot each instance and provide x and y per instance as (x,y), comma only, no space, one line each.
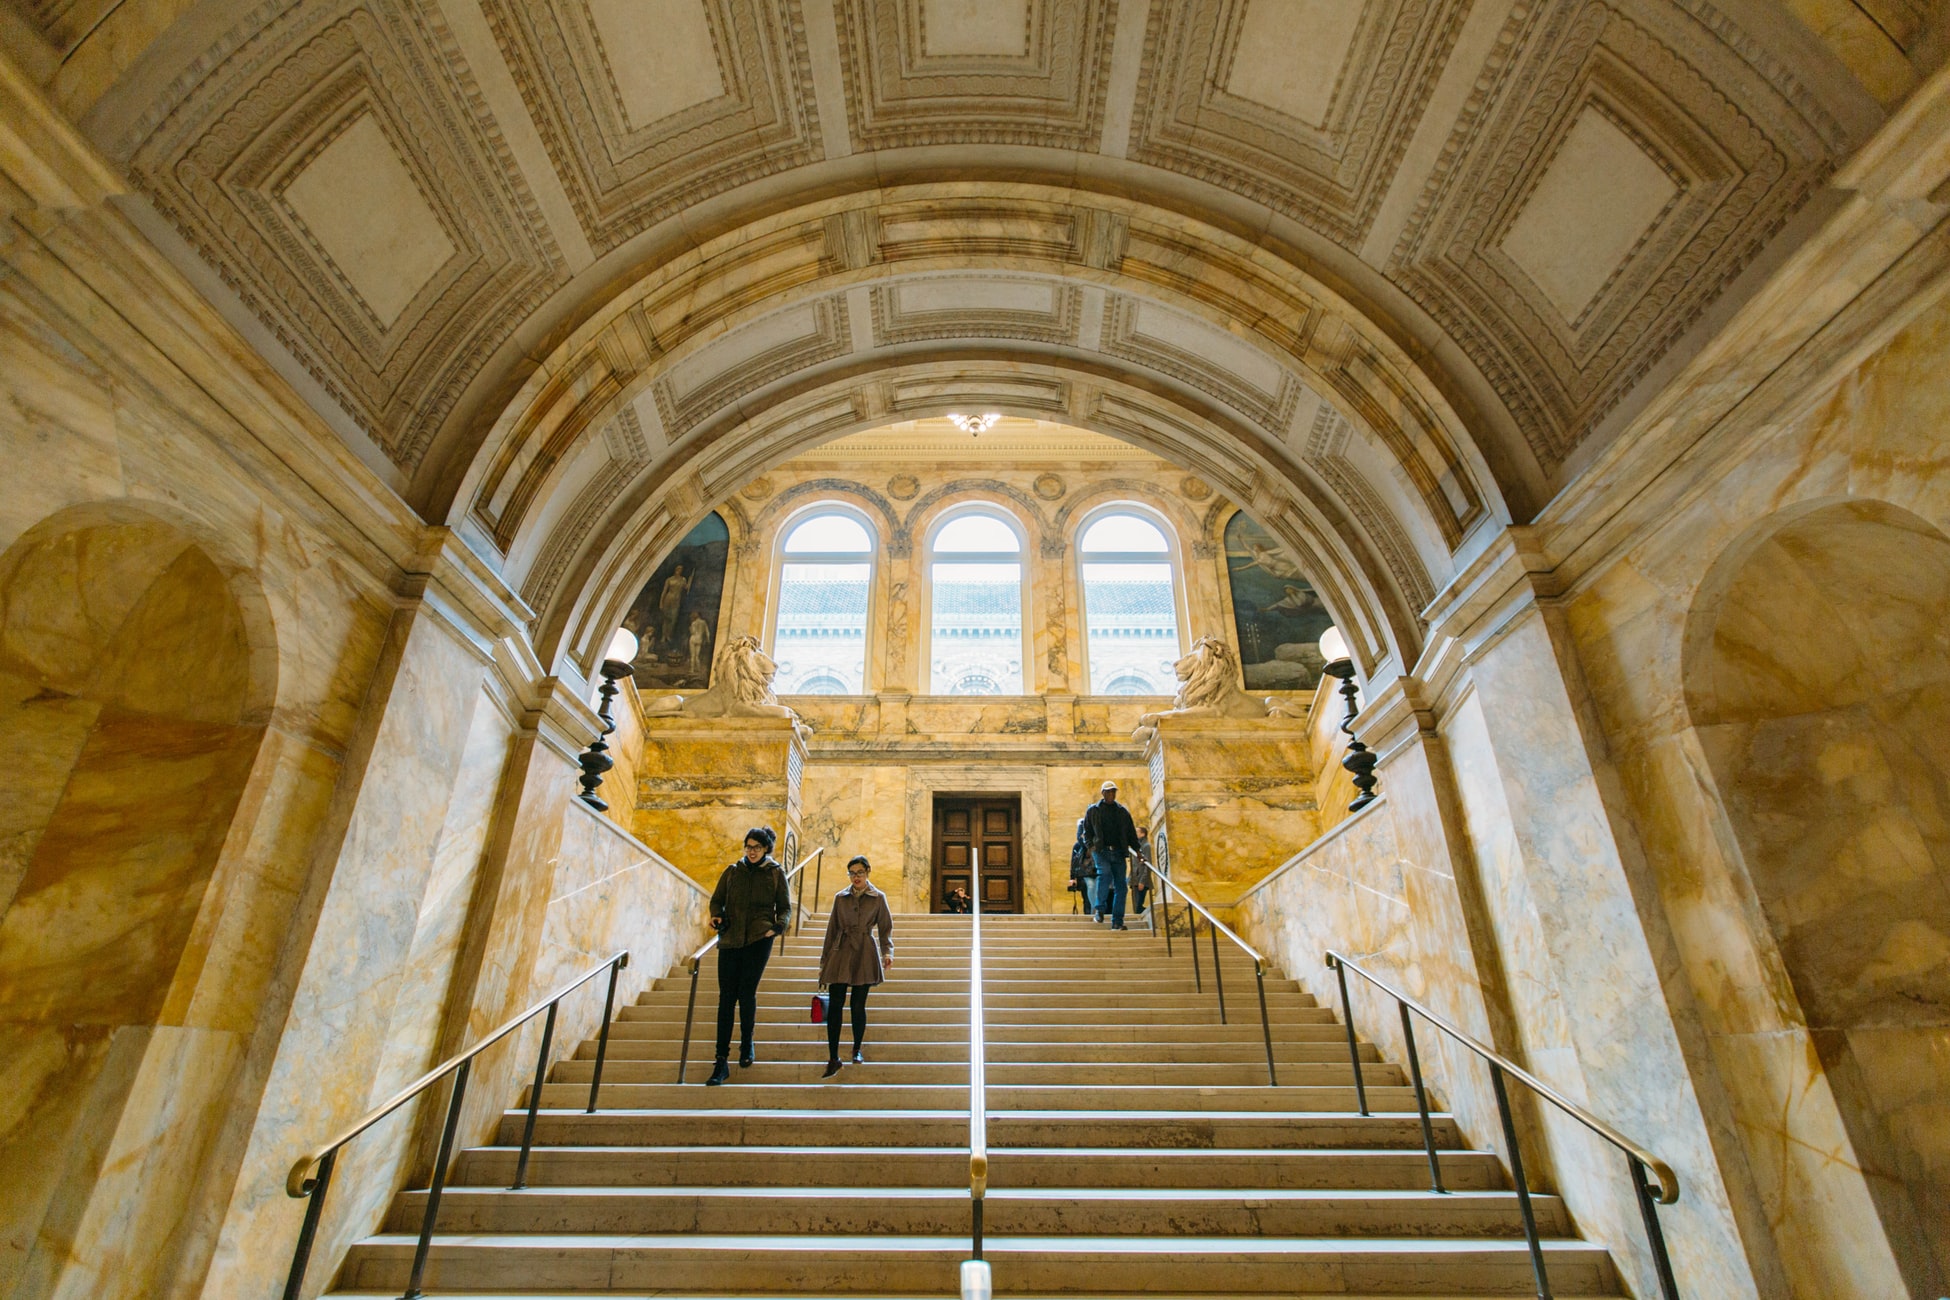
(1230,800)
(703,782)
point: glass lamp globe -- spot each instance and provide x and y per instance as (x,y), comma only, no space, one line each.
(1333,646)
(621,648)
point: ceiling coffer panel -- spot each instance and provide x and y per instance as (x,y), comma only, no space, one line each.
(333,170)
(1617,167)
(648,106)
(1001,72)
(1304,105)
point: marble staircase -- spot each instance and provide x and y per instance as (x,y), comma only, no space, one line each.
(1135,1148)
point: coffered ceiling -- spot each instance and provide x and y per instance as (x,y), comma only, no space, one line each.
(413,201)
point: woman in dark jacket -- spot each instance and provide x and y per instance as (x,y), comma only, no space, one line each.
(749,908)
(851,959)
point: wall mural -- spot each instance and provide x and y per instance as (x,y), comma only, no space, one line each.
(1278,615)
(675,616)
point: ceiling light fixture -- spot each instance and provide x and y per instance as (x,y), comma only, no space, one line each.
(974,425)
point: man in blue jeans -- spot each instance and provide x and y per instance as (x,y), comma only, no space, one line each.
(1111,835)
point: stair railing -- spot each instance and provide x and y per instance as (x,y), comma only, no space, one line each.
(696,959)
(311,1176)
(978,1100)
(1637,1159)
(1215,927)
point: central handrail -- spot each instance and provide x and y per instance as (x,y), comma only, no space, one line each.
(1638,1159)
(696,959)
(978,1103)
(1215,927)
(311,1175)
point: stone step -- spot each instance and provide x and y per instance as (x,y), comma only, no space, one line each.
(1097,1074)
(866,1265)
(655,1096)
(1064,1130)
(907,979)
(997,1002)
(1317,1028)
(810,1045)
(1009,1167)
(795,1008)
(1244,1212)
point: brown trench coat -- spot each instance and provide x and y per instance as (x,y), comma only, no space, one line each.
(850,955)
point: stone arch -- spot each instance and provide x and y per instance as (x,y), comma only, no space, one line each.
(137,676)
(658,508)
(1817,675)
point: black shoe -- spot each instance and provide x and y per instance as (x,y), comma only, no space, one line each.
(746,1056)
(1120,927)
(719,1074)
(858,1059)
(832,1068)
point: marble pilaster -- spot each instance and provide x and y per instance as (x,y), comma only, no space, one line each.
(703,782)
(1233,799)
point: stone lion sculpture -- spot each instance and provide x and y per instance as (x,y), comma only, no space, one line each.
(1206,688)
(741,687)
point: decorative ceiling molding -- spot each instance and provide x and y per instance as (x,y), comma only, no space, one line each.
(922,72)
(1212,103)
(1722,157)
(724,88)
(335,170)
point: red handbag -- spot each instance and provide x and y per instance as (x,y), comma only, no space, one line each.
(819,1001)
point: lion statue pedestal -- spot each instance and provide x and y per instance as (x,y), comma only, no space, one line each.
(719,762)
(1232,779)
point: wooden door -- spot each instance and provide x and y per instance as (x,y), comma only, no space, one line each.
(978,847)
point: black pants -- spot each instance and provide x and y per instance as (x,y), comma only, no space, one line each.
(838,992)
(739,970)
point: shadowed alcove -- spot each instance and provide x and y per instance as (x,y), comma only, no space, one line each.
(1818,669)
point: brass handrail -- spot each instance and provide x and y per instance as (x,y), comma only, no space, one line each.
(1216,927)
(311,1175)
(696,960)
(1638,1159)
(978,1105)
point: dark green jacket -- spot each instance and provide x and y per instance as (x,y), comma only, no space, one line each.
(752,900)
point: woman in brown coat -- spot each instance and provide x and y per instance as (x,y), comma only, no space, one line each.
(852,959)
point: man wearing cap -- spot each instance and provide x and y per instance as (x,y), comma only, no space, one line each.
(1111,835)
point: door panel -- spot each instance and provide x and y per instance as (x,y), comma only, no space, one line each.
(978,847)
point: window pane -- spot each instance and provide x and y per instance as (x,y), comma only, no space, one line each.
(977,533)
(1124,533)
(821,646)
(976,642)
(828,533)
(1131,628)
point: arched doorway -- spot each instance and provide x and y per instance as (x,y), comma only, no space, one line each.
(1818,674)
(132,703)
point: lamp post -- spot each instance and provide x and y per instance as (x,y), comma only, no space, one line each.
(1359,759)
(596,760)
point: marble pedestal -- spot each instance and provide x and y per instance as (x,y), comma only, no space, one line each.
(703,782)
(1230,801)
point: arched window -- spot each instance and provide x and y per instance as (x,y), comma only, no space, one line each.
(1130,606)
(819,638)
(975,576)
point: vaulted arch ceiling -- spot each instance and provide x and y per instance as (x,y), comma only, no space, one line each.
(1388,268)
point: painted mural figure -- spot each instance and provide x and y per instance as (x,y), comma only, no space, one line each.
(675,615)
(1276,611)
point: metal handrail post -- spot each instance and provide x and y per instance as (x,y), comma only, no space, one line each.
(294,1284)
(1516,1176)
(438,1182)
(1218,976)
(1164,897)
(1265,1022)
(602,1039)
(1661,1261)
(1191,929)
(690,1011)
(535,1098)
(1353,1048)
(1421,1099)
